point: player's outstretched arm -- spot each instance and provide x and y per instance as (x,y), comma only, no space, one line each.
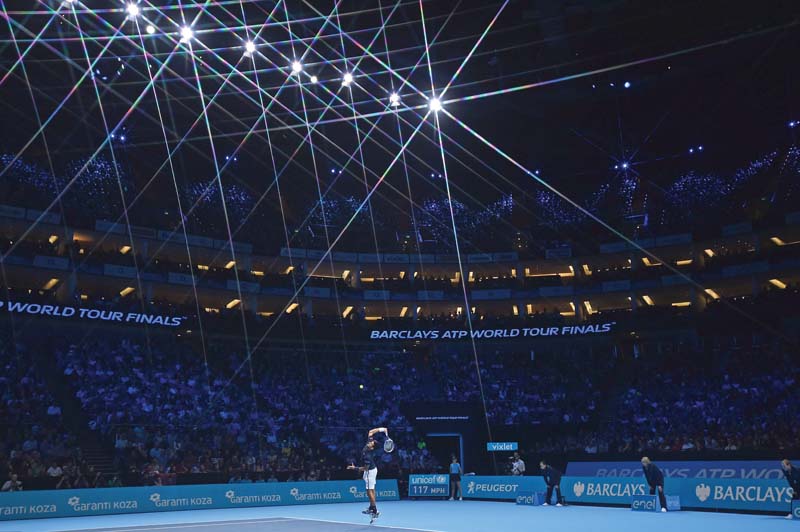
(378,429)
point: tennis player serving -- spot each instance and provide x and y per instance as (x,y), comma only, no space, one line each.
(370,468)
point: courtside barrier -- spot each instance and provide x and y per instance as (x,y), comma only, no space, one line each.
(103,501)
(700,493)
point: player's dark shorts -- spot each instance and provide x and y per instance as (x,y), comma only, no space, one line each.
(455,477)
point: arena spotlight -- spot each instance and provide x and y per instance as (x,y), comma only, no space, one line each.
(625,166)
(394,99)
(187,34)
(132,10)
(297,67)
(314,79)
(249,48)
(347,79)
(150,29)
(435,105)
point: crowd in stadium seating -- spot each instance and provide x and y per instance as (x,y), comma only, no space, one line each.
(170,407)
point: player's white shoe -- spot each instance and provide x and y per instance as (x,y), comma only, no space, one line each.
(451,498)
(545,504)
(461,498)
(559,505)
(789,516)
(664,510)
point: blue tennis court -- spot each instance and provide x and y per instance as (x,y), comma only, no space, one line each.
(424,516)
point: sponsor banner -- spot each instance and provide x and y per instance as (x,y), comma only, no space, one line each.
(498,446)
(395,258)
(104,501)
(744,269)
(317,291)
(531,499)
(603,490)
(429,485)
(558,253)
(430,295)
(613,247)
(555,291)
(295,253)
(341,256)
(672,280)
(112,270)
(55,263)
(737,229)
(795,509)
(479,258)
(673,502)
(238,247)
(8,211)
(508,256)
(616,286)
(476,487)
(736,494)
(46,217)
(706,493)
(180,278)
(672,240)
(645,503)
(371,258)
(493,334)
(377,295)
(62,311)
(246,286)
(498,294)
(752,469)
(178,238)
(109,227)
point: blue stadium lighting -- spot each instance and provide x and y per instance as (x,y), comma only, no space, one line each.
(187,34)
(333,170)
(122,138)
(297,67)
(436,105)
(699,148)
(793,124)
(249,48)
(347,79)
(394,99)
(132,10)
(627,85)
(314,79)
(625,166)
(150,29)
(691,150)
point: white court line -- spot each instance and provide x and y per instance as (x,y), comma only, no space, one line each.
(373,526)
(135,528)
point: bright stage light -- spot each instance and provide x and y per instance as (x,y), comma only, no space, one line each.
(348,79)
(627,85)
(132,10)
(150,29)
(297,67)
(624,166)
(394,99)
(187,34)
(249,47)
(435,105)
(314,79)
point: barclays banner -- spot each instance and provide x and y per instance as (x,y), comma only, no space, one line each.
(705,493)
(103,501)
(755,469)
(476,487)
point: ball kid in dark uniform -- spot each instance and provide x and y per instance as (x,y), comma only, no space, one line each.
(792,475)
(552,477)
(655,479)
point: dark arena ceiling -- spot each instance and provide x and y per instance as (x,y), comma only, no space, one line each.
(316,122)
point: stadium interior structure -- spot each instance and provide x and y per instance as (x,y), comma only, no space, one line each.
(237,235)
